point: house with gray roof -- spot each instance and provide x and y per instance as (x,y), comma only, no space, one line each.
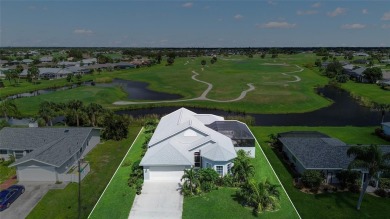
(184,139)
(317,151)
(386,128)
(46,154)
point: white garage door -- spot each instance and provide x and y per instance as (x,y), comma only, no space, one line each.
(36,174)
(166,173)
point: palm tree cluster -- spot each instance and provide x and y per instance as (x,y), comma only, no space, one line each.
(262,196)
(77,114)
(198,181)
(8,108)
(242,170)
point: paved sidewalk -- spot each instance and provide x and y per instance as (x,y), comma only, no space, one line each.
(158,200)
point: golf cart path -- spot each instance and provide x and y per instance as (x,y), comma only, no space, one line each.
(203,96)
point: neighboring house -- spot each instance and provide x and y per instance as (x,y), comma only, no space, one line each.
(317,151)
(27,61)
(363,54)
(355,72)
(124,65)
(361,61)
(50,73)
(3,62)
(47,154)
(46,59)
(184,139)
(386,128)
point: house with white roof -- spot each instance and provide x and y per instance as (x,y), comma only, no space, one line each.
(184,139)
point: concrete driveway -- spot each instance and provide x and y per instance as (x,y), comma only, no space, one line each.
(158,200)
(27,201)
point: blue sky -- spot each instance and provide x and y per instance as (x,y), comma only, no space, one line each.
(115,23)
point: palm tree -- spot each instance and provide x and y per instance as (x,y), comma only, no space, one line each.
(371,161)
(8,107)
(191,181)
(34,73)
(383,108)
(47,111)
(242,169)
(262,196)
(76,108)
(93,110)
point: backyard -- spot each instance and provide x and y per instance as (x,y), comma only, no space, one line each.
(104,159)
(329,205)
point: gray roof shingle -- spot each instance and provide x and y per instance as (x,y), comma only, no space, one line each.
(53,146)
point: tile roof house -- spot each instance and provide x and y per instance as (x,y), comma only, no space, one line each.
(46,154)
(317,151)
(183,140)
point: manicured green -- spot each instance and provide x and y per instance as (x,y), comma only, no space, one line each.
(367,93)
(87,94)
(104,159)
(330,205)
(117,200)
(222,203)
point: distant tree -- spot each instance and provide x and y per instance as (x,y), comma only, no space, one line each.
(373,74)
(47,111)
(115,127)
(262,55)
(93,110)
(8,75)
(19,69)
(274,56)
(333,69)
(212,61)
(79,77)
(170,61)
(99,70)
(69,77)
(370,159)
(76,108)
(318,63)
(203,62)
(33,71)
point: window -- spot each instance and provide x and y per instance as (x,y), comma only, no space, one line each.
(229,168)
(219,170)
(18,154)
(197,159)
(3,152)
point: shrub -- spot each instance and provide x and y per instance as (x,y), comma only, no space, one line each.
(208,178)
(312,178)
(381,192)
(384,183)
(347,177)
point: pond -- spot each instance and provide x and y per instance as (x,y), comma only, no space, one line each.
(135,90)
(138,90)
(345,111)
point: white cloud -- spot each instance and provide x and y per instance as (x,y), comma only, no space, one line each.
(308,12)
(276,24)
(187,5)
(82,31)
(353,26)
(270,2)
(386,26)
(386,16)
(365,11)
(238,17)
(336,12)
(316,5)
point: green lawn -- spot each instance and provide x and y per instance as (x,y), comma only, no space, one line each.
(87,94)
(367,93)
(104,159)
(118,198)
(6,172)
(222,203)
(337,205)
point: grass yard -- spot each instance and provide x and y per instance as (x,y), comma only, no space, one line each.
(222,203)
(117,200)
(367,93)
(6,172)
(104,159)
(331,205)
(87,94)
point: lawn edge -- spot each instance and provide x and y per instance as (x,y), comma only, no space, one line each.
(258,144)
(124,157)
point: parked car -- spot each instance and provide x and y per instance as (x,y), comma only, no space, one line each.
(8,196)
